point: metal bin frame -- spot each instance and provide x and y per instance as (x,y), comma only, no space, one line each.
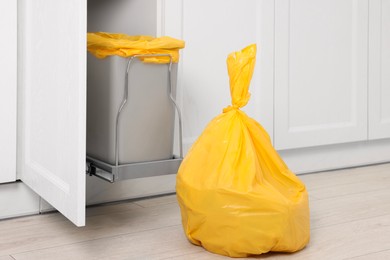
(119,172)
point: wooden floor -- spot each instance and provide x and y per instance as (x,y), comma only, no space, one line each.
(350,219)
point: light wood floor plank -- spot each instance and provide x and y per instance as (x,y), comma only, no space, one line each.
(157,201)
(350,213)
(383,255)
(344,176)
(30,220)
(56,217)
(6,257)
(335,242)
(381,182)
(15,240)
(111,208)
(349,208)
(154,244)
(204,255)
(346,240)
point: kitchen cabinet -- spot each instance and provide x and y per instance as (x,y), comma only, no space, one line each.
(316,62)
(321,50)
(332,82)
(225,26)
(51,156)
(379,70)
(52,98)
(313,86)
(8,86)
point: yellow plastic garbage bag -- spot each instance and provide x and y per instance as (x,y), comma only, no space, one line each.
(102,44)
(236,195)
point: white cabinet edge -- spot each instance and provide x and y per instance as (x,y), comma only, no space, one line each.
(8,92)
(36,72)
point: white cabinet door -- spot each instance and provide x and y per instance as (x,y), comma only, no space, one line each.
(320,72)
(8,43)
(212,30)
(379,69)
(53,102)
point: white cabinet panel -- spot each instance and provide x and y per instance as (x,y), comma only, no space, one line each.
(211,34)
(212,30)
(53,102)
(8,43)
(379,69)
(320,72)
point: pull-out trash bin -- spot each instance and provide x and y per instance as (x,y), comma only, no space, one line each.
(131,106)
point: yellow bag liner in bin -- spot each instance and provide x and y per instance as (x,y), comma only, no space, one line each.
(102,44)
(236,195)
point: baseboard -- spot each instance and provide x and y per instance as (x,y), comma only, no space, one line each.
(16,199)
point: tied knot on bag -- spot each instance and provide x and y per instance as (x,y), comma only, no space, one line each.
(230,108)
